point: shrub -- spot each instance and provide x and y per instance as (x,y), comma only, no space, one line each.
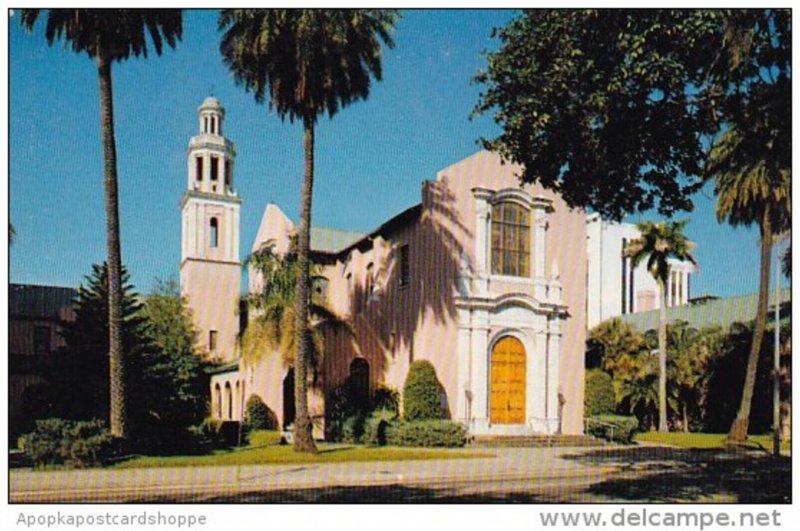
(73,443)
(353,428)
(386,398)
(376,425)
(258,416)
(422,393)
(216,434)
(426,433)
(599,395)
(615,428)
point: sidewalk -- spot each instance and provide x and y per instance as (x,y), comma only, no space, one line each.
(532,465)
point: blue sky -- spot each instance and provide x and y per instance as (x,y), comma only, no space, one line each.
(370,161)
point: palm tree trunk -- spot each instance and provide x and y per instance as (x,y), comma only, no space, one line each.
(662,359)
(685,419)
(116,356)
(738,431)
(303,429)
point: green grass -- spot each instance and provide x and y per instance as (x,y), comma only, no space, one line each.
(701,440)
(264,449)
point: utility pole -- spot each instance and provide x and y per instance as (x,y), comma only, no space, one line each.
(776,367)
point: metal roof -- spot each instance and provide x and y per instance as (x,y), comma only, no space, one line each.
(30,300)
(326,240)
(721,312)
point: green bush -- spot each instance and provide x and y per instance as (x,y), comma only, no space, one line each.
(353,428)
(386,398)
(73,443)
(599,394)
(213,434)
(422,393)
(376,425)
(258,416)
(426,433)
(615,428)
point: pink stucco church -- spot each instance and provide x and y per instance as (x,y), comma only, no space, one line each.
(482,277)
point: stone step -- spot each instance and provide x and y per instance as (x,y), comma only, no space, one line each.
(534,441)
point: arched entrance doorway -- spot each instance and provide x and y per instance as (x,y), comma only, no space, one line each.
(507,401)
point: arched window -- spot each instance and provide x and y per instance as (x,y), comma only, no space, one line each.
(511,240)
(218,400)
(214,226)
(359,379)
(228,400)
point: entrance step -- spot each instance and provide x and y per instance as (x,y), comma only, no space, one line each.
(534,441)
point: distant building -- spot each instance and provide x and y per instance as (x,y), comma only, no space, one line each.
(613,287)
(36,317)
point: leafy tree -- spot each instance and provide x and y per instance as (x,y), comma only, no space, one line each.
(80,373)
(602,106)
(108,36)
(171,390)
(691,353)
(659,242)
(636,380)
(609,341)
(306,62)
(750,162)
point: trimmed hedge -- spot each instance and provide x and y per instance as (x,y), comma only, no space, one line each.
(615,428)
(599,396)
(422,393)
(376,426)
(386,398)
(426,433)
(69,442)
(216,434)
(258,416)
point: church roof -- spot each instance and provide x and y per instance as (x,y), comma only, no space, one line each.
(325,240)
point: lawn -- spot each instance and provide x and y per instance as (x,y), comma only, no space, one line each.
(264,450)
(703,440)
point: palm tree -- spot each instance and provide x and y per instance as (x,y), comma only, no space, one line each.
(305,62)
(108,36)
(658,243)
(751,190)
(274,325)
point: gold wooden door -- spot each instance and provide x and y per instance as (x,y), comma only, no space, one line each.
(508,382)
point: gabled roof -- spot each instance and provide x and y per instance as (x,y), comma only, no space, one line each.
(30,300)
(721,312)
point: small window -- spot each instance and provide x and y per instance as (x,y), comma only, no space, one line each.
(368,284)
(214,168)
(227,172)
(41,340)
(212,340)
(405,266)
(198,168)
(213,124)
(205,124)
(319,289)
(214,225)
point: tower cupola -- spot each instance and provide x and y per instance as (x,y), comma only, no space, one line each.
(211,156)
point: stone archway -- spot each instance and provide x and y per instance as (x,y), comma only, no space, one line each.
(507,382)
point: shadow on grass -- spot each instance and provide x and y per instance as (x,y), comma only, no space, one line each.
(672,475)
(384,494)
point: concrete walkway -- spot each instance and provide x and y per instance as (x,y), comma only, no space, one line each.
(527,468)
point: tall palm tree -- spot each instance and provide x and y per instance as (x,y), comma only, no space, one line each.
(751,190)
(305,62)
(658,243)
(108,36)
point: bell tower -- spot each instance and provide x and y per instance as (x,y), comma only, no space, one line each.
(210,267)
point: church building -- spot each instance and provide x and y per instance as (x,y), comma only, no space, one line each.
(484,278)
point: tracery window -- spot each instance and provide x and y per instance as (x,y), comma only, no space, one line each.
(511,240)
